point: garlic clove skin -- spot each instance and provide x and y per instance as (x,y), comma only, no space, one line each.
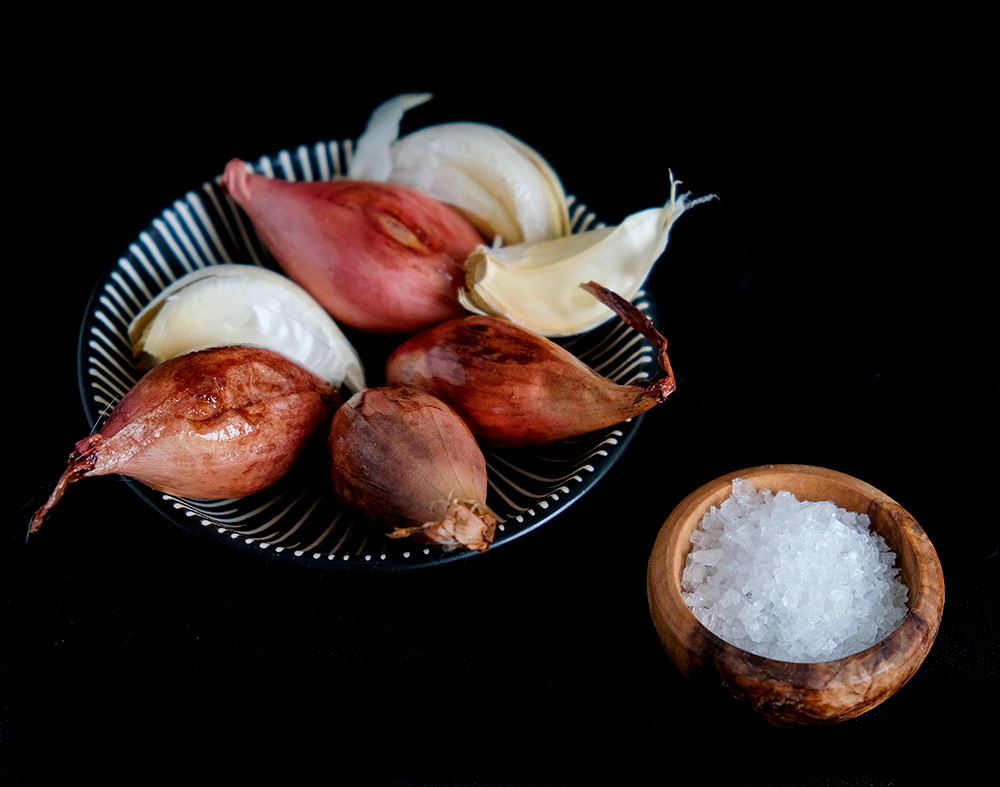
(502,186)
(536,285)
(245,305)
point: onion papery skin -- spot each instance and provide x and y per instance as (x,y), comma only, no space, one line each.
(219,423)
(404,459)
(379,257)
(513,387)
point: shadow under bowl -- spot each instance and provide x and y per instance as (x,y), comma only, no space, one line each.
(788,693)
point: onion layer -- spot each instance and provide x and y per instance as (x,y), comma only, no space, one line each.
(405,459)
(514,387)
(213,424)
(248,305)
(504,187)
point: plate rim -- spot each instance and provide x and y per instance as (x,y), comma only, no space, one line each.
(622,434)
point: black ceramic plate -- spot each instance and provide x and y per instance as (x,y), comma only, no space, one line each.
(300,519)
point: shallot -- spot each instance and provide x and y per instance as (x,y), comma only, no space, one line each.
(515,387)
(212,424)
(379,257)
(404,459)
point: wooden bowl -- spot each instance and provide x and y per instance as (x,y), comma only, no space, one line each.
(786,693)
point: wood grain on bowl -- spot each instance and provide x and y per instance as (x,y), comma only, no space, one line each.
(785,693)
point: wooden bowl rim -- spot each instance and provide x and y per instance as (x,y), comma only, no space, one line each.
(899,654)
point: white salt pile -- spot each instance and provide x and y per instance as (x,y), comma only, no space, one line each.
(791,580)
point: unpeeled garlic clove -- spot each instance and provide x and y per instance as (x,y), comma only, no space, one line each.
(503,186)
(247,305)
(536,285)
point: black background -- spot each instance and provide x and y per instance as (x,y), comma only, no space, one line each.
(833,307)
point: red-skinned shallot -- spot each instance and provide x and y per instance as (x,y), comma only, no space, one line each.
(405,459)
(379,257)
(514,387)
(212,424)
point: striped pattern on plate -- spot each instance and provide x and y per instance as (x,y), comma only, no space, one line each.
(300,518)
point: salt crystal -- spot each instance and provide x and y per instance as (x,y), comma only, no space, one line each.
(792,580)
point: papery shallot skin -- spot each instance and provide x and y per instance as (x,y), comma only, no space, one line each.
(516,388)
(213,424)
(404,459)
(379,257)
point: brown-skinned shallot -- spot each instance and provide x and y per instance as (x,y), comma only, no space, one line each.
(404,459)
(514,387)
(379,257)
(212,424)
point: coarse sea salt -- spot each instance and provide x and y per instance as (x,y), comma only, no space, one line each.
(792,580)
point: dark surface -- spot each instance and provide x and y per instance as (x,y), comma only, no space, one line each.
(831,309)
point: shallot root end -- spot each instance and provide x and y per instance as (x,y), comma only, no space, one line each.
(464,525)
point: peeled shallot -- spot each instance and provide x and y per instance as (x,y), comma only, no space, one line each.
(517,388)
(379,257)
(405,459)
(212,424)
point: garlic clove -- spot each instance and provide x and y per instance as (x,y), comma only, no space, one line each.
(536,285)
(503,187)
(225,305)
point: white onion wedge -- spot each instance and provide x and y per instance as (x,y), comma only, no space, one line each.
(245,304)
(501,185)
(537,285)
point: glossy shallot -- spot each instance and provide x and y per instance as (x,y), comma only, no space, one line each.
(212,424)
(404,459)
(379,257)
(517,388)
